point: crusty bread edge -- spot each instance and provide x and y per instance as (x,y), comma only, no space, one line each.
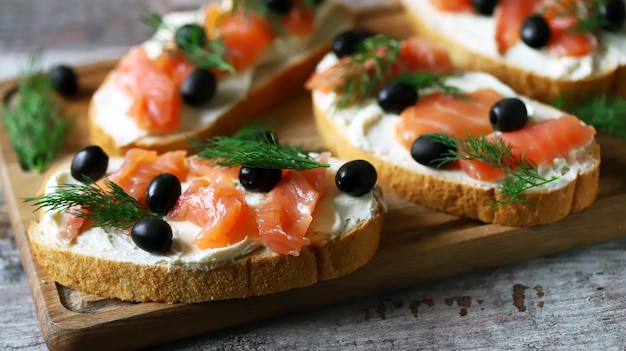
(523,82)
(260,272)
(462,199)
(260,100)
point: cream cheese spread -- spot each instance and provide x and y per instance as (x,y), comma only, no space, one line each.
(112,103)
(476,33)
(372,130)
(336,213)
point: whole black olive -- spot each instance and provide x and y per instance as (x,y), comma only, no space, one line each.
(152,234)
(484,7)
(190,35)
(508,115)
(199,87)
(347,42)
(614,12)
(396,96)
(162,193)
(425,150)
(280,7)
(90,162)
(356,178)
(535,31)
(259,179)
(63,79)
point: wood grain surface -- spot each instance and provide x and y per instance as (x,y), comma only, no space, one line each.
(419,245)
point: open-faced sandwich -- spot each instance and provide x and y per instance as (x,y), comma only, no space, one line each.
(206,72)
(459,142)
(244,217)
(541,48)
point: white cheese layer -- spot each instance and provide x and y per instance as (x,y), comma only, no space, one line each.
(112,103)
(476,33)
(370,129)
(335,214)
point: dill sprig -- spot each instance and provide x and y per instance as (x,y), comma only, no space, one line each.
(106,205)
(33,121)
(606,113)
(252,147)
(208,55)
(425,80)
(363,72)
(522,174)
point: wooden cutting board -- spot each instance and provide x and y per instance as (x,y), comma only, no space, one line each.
(418,245)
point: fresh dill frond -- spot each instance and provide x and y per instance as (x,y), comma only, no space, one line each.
(363,72)
(107,205)
(522,174)
(33,121)
(607,113)
(253,147)
(425,80)
(207,54)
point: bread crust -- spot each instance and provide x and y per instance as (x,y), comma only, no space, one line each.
(523,82)
(462,199)
(260,272)
(261,98)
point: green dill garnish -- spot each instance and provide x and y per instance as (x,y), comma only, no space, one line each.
(364,71)
(425,80)
(522,174)
(606,113)
(252,147)
(204,54)
(106,206)
(33,121)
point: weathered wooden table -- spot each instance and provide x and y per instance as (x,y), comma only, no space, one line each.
(572,300)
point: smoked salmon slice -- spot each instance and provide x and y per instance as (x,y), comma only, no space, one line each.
(415,55)
(284,217)
(509,16)
(445,114)
(541,143)
(452,5)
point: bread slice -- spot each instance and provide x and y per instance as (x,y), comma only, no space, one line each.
(239,99)
(469,40)
(106,262)
(364,131)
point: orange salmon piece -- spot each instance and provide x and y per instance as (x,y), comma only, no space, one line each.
(141,166)
(541,143)
(156,102)
(564,40)
(444,114)
(245,35)
(284,217)
(509,16)
(416,55)
(300,20)
(452,5)
(219,209)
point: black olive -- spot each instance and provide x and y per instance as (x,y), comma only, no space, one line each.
(190,35)
(425,150)
(63,79)
(508,115)
(396,96)
(485,7)
(162,194)
(152,234)
(280,7)
(614,12)
(356,178)
(91,162)
(259,179)
(199,87)
(535,31)
(347,42)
